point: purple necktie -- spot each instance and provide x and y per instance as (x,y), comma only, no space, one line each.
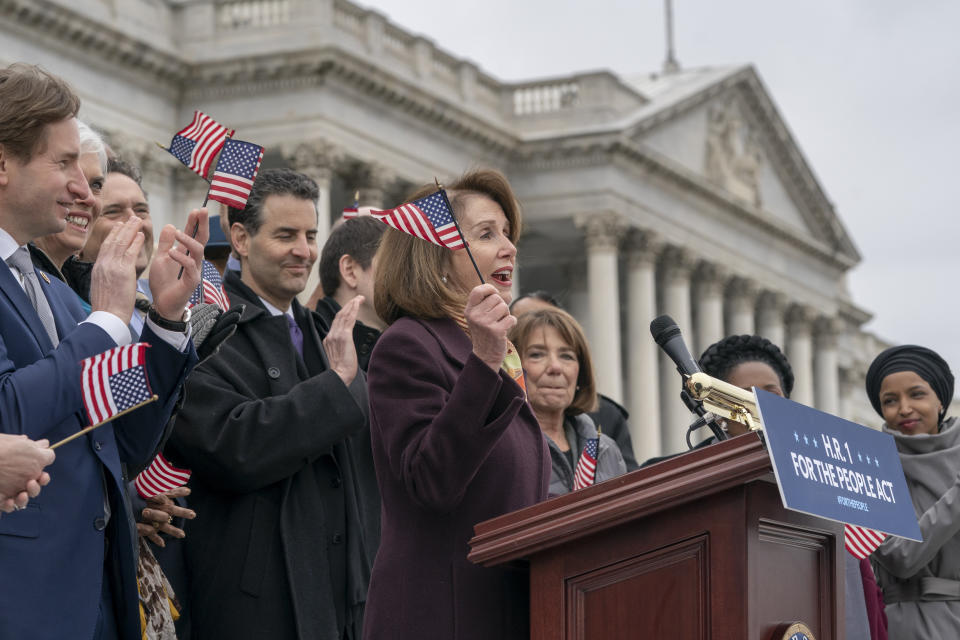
(296,336)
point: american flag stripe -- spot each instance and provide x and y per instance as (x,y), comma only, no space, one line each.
(98,397)
(213,295)
(160,477)
(586,471)
(210,289)
(236,172)
(860,541)
(585,474)
(428,218)
(90,398)
(209,142)
(208,136)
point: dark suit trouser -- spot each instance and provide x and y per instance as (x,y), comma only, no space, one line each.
(107,616)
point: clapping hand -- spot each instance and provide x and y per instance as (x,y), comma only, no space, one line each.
(170,290)
(341,352)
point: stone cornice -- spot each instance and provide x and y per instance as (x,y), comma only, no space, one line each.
(603,149)
(75,33)
(790,160)
(317,67)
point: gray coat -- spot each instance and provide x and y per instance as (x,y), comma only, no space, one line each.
(579,429)
(916,577)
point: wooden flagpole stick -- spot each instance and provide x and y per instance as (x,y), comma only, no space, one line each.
(100,424)
(456,224)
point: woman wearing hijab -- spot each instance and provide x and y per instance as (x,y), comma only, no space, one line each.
(911,388)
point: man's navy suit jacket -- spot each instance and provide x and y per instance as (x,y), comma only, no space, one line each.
(52,554)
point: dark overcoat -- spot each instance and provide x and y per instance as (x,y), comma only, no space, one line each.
(455,443)
(277,549)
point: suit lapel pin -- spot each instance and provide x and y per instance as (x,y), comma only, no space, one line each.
(45,278)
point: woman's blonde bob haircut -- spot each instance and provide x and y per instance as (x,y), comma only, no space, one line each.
(523,333)
(410,271)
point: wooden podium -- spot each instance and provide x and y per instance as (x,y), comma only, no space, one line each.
(698,546)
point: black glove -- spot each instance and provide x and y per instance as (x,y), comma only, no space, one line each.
(211,326)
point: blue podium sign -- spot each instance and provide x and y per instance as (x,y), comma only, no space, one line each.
(836,469)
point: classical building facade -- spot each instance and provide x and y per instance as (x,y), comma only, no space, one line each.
(682,192)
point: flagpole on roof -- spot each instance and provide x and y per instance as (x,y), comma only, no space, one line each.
(456,224)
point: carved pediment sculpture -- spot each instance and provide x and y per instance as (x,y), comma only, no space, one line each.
(734,156)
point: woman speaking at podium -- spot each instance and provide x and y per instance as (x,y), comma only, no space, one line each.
(911,388)
(454,440)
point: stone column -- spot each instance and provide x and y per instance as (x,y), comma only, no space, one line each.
(643,396)
(709,282)
(676,265)
(373,181)
(771,307)
(316,159)
(741,300)
(826,365)
(800,352)
(602,233)
(850,384)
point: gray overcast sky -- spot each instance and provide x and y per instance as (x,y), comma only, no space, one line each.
(869,89)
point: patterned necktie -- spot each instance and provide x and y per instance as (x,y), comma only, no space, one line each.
(20,260)
(296,335)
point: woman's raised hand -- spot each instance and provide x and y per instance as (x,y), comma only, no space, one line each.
(489,320)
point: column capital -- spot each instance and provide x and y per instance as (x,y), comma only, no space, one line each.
(742,290)
(676,263)
(316,158)
(709,277)
(772,301)
(643,247)
(800,317)
(371,179)
(152,163)
(602,230)
(826,330)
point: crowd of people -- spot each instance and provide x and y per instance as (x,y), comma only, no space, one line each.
(341,450)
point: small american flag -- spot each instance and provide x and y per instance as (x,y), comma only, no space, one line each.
(115,381)
(160,477)
(428,218)
(861,541)
(210,290)
(354,211)
(586,471)
(236,170)
(197,143)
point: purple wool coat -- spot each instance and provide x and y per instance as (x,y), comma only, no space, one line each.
(454,443)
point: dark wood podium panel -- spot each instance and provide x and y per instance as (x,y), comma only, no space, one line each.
(698,546)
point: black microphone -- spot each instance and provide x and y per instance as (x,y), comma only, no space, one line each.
(667,335)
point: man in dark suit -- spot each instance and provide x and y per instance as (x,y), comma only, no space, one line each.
(278,550)
(69,556)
